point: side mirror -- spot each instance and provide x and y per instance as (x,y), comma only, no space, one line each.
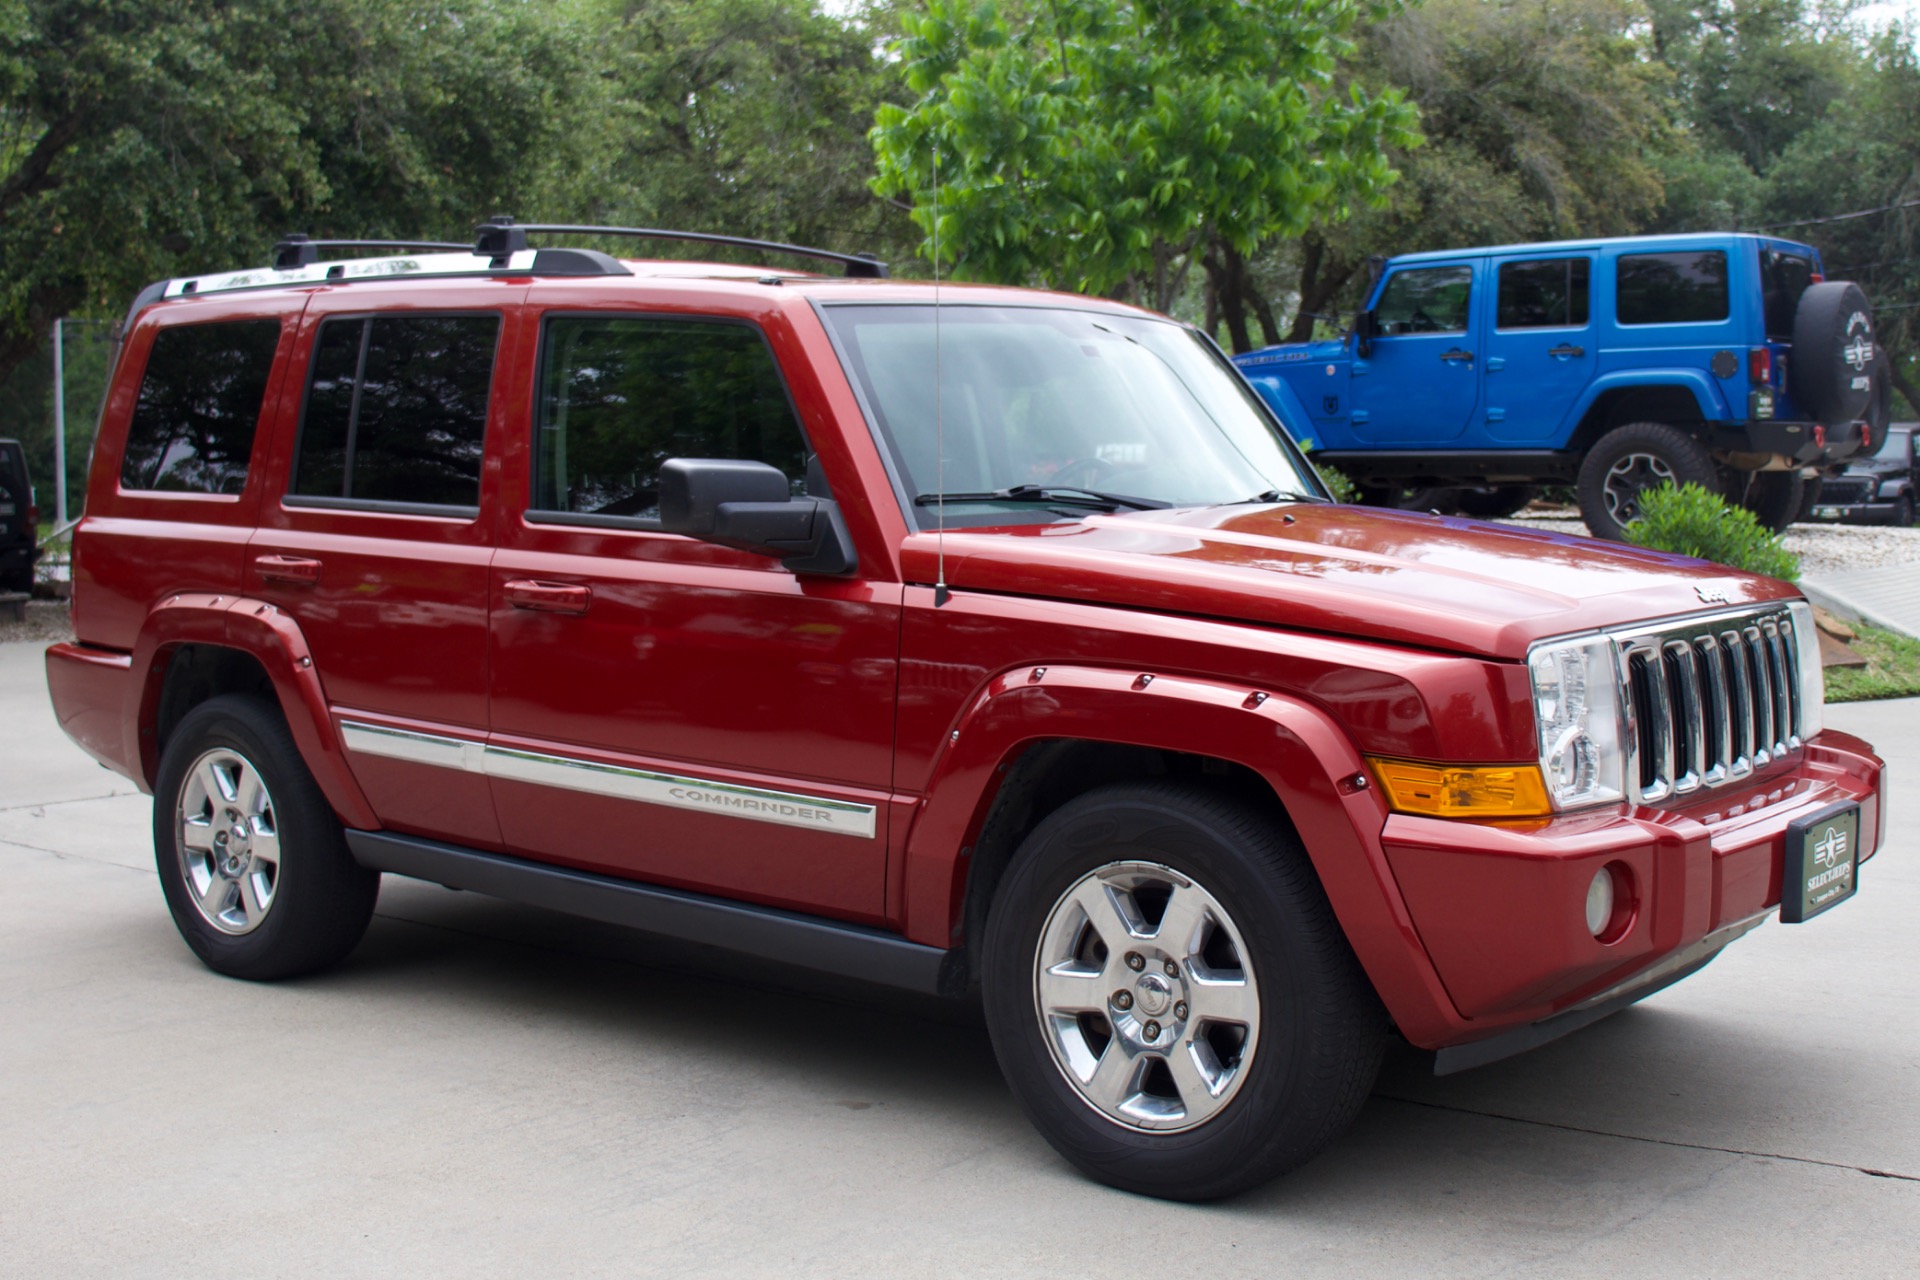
(1365,329)
(750,505)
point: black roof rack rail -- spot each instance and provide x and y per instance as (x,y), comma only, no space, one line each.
(503,236)
(298,251)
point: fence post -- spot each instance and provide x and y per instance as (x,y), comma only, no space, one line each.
(59,430)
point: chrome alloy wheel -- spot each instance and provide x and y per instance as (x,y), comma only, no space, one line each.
(1145,997)
(1628,478)
(228,840)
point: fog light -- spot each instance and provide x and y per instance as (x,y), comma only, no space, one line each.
(1600,902)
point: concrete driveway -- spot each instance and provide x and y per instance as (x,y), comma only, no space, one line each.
(492,1090)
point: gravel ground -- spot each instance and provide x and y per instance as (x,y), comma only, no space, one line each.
(1822,548)
(47,621)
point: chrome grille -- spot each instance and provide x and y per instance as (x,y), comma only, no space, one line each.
(1709,700)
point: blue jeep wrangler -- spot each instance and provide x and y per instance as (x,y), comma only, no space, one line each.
(1611,365)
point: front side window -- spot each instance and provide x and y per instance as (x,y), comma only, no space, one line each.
(1425,300)
(1057,399)
(620,395)
(199,405)
(1672,288)
(397,410)
(1549,294)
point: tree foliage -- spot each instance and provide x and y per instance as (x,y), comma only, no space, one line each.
(1099,145)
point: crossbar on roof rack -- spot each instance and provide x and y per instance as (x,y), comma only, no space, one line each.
(503,236)
(298,251)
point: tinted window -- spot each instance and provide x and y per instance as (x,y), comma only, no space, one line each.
(1673,288)
(621,396)
(1551,294)
(192,428)
(1425,300)
(397,410)
(1784,276)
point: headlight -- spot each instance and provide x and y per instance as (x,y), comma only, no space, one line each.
(1576,703)
(1813,679)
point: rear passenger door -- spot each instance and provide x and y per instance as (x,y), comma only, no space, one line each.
(1541,352)
(663,708)
(376,544)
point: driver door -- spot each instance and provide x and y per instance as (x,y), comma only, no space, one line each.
(1420,383)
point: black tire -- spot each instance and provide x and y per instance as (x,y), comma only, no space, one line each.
(1879,412)
(317,899)
(1775,498)
(1903,511)
(1631,459)
(1809,498)
(1496,503)
(1318,1032)
(1831,370)
(1429,498)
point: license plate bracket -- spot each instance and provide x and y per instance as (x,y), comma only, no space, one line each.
(1822,865)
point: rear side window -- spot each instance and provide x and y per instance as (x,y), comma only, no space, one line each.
(619,396)
(1549,294)
(199,405)
(1784,277)
(1425,300)
(397,410)
(1673,288)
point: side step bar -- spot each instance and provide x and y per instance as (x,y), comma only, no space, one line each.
(808,942)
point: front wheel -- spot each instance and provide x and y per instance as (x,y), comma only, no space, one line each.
(1170,996)
(251,859)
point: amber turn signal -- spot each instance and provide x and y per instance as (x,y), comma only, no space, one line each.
(1475,791)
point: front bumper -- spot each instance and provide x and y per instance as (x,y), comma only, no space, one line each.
(1500,909)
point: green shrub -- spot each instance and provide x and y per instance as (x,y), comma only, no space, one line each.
(1338,485)
(1693,522)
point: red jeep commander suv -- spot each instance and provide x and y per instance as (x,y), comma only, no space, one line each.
(964,639)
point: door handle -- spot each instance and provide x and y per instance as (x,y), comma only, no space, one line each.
(1566,352)
(1457,356)
(548,597)
(294,569)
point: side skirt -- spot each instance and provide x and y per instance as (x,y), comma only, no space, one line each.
(808,942)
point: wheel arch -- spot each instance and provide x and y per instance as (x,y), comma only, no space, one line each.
(1025,747)
(197,646)
(1680,398)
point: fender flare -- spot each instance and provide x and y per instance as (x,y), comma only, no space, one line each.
(272,638)
(1285,403)
(1299,750)
(1706,392)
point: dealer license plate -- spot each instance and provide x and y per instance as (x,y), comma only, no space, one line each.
(1822,863)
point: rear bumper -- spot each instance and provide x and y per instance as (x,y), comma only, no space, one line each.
(1500,911)
(90,689)
(1806,444)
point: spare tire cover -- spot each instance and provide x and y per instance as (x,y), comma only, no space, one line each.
(1831,371)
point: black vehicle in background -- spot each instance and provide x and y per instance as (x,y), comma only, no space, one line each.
(1878,488)
(19,520)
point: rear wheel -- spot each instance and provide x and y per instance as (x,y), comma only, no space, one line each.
(1630,460)
(251,859)
(1776,498)
(1169,994)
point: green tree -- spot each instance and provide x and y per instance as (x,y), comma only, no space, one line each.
(1543,120)
(140,139)
(1107,146)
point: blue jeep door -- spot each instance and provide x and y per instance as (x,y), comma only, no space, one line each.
(1540,354)
(1419,384)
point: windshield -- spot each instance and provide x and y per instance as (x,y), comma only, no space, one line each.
(1035,402)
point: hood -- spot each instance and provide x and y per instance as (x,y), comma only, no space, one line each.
(1402,577)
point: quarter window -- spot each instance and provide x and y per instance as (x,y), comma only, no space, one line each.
(619,396)
(1784,277)
(1549,294)
(199,405)
(1673,288)
(397,410)
(1425,300)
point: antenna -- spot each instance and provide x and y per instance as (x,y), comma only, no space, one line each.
(940,593)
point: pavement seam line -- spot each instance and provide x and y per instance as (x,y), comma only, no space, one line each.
(54,804)
(1664,1142)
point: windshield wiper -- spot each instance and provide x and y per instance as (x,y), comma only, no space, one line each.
(1062,495)
(1278,495)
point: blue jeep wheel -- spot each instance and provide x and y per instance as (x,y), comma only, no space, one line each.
(1627,462)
